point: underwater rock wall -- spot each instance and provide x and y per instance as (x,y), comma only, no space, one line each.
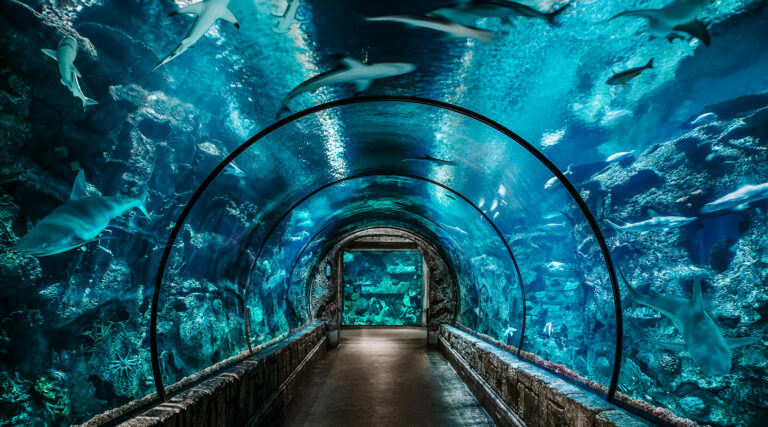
(725,250)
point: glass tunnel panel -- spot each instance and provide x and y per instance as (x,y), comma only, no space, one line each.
(400,156)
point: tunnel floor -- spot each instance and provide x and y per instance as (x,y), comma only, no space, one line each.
(384,377)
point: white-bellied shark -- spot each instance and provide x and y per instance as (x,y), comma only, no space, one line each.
(65,55)
(439,24)
(208,12)
(467,12)
(78,221)
(289,18)
(655,223)
(350,71)
(616,157)
(703,339)
(739,199)
(676,17)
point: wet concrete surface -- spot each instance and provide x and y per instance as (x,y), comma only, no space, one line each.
(384,377)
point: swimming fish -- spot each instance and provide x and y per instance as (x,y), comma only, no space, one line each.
(703,339)
(704,119)
(232,169)
(655,223)
(78,221)
(289,18)
(438,24)
(208,12)
(510,332)
(619,156)
(431,159)
(467,12)
(548,330)
(451,227)
(624,77)
(65,55)
(739,199)
(676,17)
(350,71)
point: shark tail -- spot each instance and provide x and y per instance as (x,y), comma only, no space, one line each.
(88,102)
(632,291)
(613,225)
(650,63)
(141,202)
(552,15)
(282,111)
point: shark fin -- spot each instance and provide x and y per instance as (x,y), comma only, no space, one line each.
(741,207)
(697,300)
(51,53)
(650,63)
(192,9)
(362,85)
(613,225)
(88,102)
(228,16)
(650,14)
(551,16)
(76,71)
(696,29)
(740,342)
(142,203)
(351,62)
(80,189)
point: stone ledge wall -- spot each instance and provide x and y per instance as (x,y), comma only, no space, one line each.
(535,396)
(254,391)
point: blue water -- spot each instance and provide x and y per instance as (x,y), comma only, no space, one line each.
(382,288)
(75,325)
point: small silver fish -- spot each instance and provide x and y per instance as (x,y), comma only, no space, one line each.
(624,77)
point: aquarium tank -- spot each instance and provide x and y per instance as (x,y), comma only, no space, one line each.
(594,171)
(382,288)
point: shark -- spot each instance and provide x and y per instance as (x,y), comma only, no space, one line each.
(703,339)
(350,70)
(65,55)
(624,77)
(438,23)
(738,200)
(207,12)
(78,221)
(289,18)
(467,12)
(676,17)
(653,224)
(620,156)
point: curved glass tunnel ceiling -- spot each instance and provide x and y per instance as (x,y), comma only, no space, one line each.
(77,327)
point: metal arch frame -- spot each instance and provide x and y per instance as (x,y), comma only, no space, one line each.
(399,175)
(404,99)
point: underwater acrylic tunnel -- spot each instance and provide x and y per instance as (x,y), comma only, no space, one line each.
(561,205)
(417,103)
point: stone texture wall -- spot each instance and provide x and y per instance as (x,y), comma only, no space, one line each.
(254,391)
(504,383)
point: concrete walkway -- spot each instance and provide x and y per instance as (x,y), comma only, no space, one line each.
(384,377)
